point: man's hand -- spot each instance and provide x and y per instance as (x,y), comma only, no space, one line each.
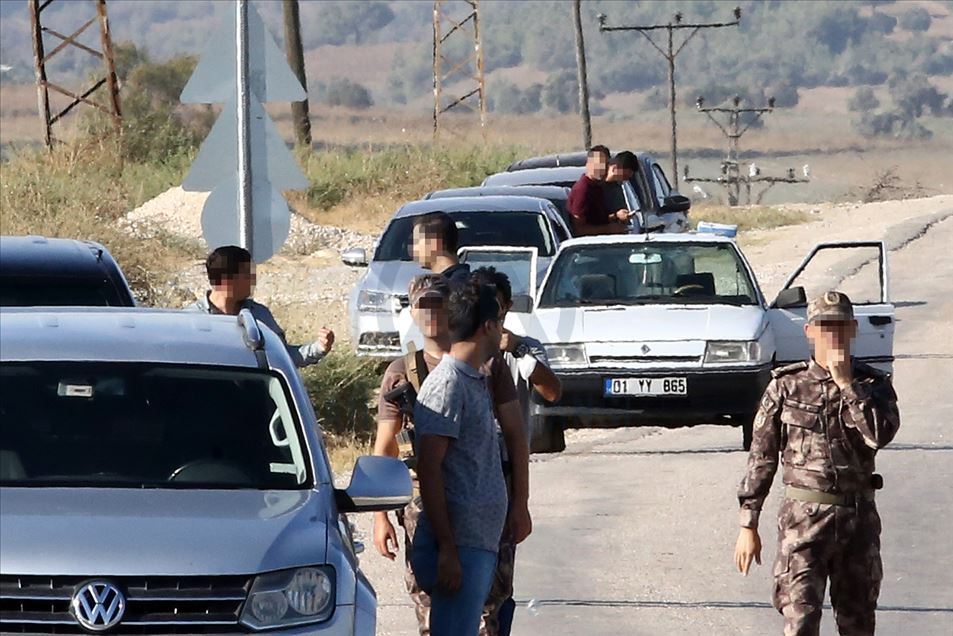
(325,339)
(838,363)
(747,548)
(449,570)
(509,341)
(519,524)
(622,215)
(385,537)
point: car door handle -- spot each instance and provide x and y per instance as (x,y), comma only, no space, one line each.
(879,321)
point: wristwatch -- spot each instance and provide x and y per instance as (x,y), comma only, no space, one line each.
(521,350)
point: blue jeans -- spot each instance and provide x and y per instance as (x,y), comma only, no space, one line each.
(456,614)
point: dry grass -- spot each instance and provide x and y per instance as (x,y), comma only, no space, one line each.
(80,191)
(747,218)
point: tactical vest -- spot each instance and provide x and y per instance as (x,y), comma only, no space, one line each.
(416,369)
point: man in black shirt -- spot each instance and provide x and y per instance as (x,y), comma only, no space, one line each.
(434,246)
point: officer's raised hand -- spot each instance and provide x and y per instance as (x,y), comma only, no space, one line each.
(747,548)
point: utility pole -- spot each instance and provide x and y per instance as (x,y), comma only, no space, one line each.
(299,110)
(470,67)
(670,53)
(731,176)
(44,85)
(581,76)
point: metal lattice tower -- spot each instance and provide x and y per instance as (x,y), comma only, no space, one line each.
(471,65)
(40,59)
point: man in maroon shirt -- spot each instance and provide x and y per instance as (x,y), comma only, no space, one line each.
(587,204)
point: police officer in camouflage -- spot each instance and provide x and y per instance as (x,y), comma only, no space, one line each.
(826,418)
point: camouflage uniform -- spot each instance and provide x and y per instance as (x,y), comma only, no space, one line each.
(827,439)
(407,518)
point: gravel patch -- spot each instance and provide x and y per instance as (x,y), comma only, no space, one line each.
(179,213)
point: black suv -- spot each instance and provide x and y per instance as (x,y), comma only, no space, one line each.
(37,271)
(650,183)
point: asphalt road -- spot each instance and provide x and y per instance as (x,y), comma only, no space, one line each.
(635,529)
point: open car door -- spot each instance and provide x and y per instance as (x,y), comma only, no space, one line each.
(518,263)
(842,265)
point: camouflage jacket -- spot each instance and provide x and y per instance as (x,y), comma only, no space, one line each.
(827,438)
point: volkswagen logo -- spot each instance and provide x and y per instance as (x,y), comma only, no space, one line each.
(98,605)
(645,350)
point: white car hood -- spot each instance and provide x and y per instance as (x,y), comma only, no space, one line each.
(647,323)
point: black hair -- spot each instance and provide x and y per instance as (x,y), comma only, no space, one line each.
(599,148)
(499,280)
(441,225)
(226,262)
(625,160)
(471,305)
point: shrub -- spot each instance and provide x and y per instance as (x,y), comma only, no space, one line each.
(863,100)
(916,19)
(341,91)
(342,389)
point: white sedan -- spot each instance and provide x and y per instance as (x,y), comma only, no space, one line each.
(673,330)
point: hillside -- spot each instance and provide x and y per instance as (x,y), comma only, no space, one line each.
(779,47)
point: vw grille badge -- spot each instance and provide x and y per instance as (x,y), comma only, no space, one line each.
(98,605)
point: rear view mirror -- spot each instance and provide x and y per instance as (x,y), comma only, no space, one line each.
(675,202)
(522,304)
(641,258)
(377,483)
(790,297)
(354,256)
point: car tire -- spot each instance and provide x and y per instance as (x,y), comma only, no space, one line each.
(547,435)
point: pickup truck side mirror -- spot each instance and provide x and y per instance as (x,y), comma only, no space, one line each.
(675,202)
(355,256)
(377,483)
(790,297)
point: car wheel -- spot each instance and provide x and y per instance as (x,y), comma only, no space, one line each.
(547,436)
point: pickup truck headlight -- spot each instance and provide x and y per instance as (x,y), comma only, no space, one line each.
(567,355)
(374,301)
(732,351)
(290,597)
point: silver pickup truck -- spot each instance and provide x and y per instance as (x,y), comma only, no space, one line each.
(163,472)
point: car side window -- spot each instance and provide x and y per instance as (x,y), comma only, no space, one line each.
(660,183)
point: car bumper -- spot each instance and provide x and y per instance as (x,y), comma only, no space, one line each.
(711,395)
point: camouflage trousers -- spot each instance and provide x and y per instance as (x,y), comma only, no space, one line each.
(817,542)
(500,592)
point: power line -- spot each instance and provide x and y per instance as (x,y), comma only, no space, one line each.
(670,52)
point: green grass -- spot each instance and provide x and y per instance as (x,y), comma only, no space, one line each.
(402,171)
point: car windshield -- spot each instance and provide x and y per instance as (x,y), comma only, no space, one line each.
(121,425)
(650,272)
(54,292)
(516,264)
(514,229)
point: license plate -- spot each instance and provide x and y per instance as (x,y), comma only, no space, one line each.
(642,387)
